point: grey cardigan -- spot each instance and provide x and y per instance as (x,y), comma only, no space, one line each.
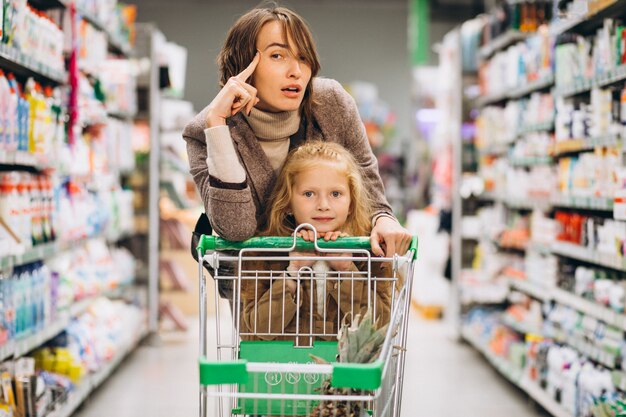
(235,212)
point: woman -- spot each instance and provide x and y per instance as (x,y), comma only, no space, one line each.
(271,101)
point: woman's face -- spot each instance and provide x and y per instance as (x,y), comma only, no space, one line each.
(281,76)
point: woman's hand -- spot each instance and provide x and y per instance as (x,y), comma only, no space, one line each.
(235,96)
(388,237)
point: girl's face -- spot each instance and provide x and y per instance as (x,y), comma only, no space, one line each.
(280,77)
(321,197)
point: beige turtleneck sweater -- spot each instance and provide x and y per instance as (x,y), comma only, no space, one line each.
(271,129)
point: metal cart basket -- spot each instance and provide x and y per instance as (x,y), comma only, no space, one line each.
(279,353)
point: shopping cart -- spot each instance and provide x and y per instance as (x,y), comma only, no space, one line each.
(268,369)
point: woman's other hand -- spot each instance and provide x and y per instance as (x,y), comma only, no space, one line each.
(236,95)
(388,237)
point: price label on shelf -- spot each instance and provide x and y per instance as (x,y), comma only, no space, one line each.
(619,205)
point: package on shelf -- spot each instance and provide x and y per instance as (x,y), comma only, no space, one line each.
(117,18)
(518,65)
(581,59)
(590,174)
(91,110)
(539,182)
(26,208)
(92,48)
(605,236)
(96,337)
(118,137)
(496,125)
(33,33)
(83,213)
(78,277)
(532,145)
(28,299)
(603,115)
(603,286)
(118,78)
(522,16)
(32,118)
(541,269)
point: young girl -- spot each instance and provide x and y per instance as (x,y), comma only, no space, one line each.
(320,184)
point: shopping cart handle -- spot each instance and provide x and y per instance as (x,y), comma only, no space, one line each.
(209,243)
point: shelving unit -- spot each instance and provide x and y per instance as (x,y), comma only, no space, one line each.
(509,207)
(23,67)
(516,377)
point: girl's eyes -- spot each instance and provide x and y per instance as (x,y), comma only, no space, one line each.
(308,193)
(336,194)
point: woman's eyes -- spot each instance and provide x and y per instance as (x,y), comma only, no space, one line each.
(276,55)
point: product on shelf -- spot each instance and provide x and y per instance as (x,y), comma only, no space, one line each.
(33,33)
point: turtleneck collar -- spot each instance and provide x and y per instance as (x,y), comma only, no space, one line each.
(273,126)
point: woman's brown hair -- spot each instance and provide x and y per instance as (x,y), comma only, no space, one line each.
(240,45)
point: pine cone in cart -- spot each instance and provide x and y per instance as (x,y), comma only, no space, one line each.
(360,342)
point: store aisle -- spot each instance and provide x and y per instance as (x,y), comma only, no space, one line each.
(443,378)
(155,381)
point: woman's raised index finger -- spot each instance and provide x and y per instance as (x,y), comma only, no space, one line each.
(246,73)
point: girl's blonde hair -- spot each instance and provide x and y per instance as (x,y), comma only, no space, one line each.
(240,45)
(279,221)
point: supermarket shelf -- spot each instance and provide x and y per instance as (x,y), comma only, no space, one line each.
(585,203)
(121,115)
(532,289)
(93,381)
(588,24)
(502,365)
(492,99)
(23,159)
(13,60)
(619,379)
(495,149)
(536,85)
(516,377)
(574,301)
(48,4)
(539,127)
(115,44)
(19,347)
(518,202)
(544,399)
(582,253)
(518,92)
(591,351)
(500,42)
(579,145)
(584,85)
(40,252)
(530,161)
(589,308)
(518,326)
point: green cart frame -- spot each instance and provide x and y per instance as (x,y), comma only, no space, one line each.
(263,373)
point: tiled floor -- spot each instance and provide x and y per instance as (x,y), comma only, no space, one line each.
(443,378)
